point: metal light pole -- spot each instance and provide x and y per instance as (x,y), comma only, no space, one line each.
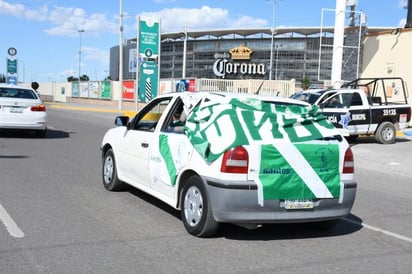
(121,54)
(272,32)
(80,52)
(277,60)
(184,55)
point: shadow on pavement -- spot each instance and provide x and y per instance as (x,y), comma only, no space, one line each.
(18,134)
(265,232)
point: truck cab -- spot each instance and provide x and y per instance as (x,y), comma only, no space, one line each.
(368,106)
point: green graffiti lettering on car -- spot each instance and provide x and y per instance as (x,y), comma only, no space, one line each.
(167,157)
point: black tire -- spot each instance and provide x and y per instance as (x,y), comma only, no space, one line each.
(109,172)
(386,133)
(196,211)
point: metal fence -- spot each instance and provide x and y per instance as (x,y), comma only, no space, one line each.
(283,88)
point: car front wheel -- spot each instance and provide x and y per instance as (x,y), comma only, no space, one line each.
(196,212)
(109,173)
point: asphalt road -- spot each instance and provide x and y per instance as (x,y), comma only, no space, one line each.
(56,217)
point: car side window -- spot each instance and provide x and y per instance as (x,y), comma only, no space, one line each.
(176,119)
(149,117)
(356,100)
(334,101)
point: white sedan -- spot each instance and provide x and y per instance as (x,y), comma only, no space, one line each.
(233,158)
(22,109)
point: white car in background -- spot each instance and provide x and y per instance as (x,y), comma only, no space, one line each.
(22,109)
(233,158)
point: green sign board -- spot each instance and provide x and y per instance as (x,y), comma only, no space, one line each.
(11,66)
(149,38)
(148,84)
(105,90)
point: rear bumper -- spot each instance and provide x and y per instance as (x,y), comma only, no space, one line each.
(238,203)
(37,126)
(24,123)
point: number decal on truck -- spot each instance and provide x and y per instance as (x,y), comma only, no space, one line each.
(389,111)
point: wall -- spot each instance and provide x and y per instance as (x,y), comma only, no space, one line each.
(388,55)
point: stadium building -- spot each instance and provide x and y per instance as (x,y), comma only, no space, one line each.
(293,53)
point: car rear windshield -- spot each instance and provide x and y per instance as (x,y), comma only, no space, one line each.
(17,93)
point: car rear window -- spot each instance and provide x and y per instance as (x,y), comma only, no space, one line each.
(17,93)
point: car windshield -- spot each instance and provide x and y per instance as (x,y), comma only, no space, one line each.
(17,93)
(308,96)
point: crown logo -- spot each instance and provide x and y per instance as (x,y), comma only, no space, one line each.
(241,53)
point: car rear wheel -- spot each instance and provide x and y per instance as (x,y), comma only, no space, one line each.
(109,173)
(196,212)
(386,133)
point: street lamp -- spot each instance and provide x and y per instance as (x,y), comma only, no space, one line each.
(80,51)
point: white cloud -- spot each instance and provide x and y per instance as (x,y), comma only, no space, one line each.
(69,72)
(17,10)
(402,23)
(403,4)
(100,55)
(68,21)
(65,21)
(175,19)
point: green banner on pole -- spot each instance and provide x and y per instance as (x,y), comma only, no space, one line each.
(11,66)
(149,38)
(148,84)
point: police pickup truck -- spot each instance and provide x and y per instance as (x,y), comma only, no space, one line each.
(367,106)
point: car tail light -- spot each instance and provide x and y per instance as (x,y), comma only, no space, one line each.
(235,160)
(38,108)
(348,163)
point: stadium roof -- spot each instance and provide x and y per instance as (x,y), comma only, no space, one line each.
(305,31)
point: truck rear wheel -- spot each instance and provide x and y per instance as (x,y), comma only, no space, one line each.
(386,133)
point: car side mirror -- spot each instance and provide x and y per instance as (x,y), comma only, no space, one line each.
(322,105)
(121,121)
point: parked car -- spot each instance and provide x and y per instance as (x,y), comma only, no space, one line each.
(366,106)
(233,158)
(22,109)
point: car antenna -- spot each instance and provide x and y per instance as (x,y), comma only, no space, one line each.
(260,86)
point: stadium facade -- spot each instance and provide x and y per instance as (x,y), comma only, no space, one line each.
(297,53)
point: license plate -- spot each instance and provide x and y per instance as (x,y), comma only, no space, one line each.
(298,204)
(16,110)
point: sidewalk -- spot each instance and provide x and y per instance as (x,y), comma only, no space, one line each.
(127,108)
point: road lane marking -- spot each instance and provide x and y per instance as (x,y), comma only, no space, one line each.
(383,231)
(9,223)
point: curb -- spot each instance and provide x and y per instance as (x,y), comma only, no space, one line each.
(129,113)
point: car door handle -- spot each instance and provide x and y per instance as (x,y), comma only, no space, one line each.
(144,145)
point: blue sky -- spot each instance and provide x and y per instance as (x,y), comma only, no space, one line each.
(45,33)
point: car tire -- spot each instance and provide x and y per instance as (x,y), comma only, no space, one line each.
(109,173)
(386,133)
(196,212)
